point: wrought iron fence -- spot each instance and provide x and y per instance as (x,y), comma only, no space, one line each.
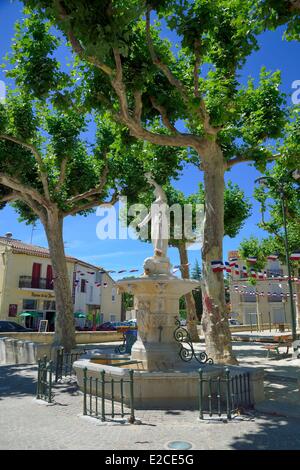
(44,381)
(96,406)
(225,394)
(64,363)
(186,351)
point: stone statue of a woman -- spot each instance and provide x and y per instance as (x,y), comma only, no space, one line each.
(159,216)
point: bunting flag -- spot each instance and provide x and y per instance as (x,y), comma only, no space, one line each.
(82,274)
(133,270)
(260,275)
(236,269)
(227,267)
(265,275)
(175,270)
(253,273)
(232,262)
(217,266)
(295,256)
(111,271)
(90,272)
(122,271)
(252,259)
(104,284)
(244,271)
(272,257)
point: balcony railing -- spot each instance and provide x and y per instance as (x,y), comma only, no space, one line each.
(43,283)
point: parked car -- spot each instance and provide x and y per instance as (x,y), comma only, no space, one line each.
(11,326)
(233,321)
(106,326)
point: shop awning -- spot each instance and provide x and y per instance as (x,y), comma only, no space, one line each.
(33,314)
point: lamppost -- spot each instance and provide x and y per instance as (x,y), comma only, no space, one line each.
(279,185)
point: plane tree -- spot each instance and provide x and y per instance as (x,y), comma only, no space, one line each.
(133,72)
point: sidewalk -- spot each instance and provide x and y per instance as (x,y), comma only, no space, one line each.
(26,423)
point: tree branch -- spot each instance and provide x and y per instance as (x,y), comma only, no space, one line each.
(62,176)
(92,192)
(10,197)
(163,67)
(16,185)
(163,112)
(76,44)
(93,203)
(197,46)
(243,159)
(201,111)
(138,105)
(37,156)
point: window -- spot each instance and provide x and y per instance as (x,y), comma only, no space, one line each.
(83,286)
(99,276)
(29,304)
(49,305)
(12,310)
(113,294)
(112,318)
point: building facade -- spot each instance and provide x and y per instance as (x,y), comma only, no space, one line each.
(265,301)
(26,285)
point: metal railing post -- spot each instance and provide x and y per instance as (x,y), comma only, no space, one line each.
(38,389)
(102,373)
(200,394)
(84,390)
(132,417)
(49,367)
(227,374)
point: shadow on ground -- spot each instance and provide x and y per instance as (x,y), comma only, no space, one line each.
(17,380)
(272,434)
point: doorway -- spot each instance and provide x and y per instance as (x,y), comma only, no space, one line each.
(50,316)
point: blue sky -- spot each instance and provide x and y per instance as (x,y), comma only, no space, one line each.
(80,232)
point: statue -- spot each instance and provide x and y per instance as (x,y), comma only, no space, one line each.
(159,216)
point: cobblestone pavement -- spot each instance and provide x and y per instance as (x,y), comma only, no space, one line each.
(26,423)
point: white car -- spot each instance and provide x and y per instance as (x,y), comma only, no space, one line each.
(232,321)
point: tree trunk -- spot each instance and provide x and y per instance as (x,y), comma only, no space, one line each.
(64,320)
(191,316)
(214,320)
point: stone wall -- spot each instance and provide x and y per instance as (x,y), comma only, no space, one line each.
(82,337)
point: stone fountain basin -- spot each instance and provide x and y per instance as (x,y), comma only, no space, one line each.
(171,389)
(109,359)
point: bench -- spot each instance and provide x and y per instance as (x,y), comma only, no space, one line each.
(275,348)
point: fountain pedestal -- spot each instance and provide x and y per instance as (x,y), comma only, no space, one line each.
(156,301)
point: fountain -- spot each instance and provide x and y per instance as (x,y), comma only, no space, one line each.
(161,378)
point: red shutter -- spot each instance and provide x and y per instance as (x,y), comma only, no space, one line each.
(12,310)
(36,273)
(49,277)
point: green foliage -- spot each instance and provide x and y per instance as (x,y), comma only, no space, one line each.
(237,208)
(253,247)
